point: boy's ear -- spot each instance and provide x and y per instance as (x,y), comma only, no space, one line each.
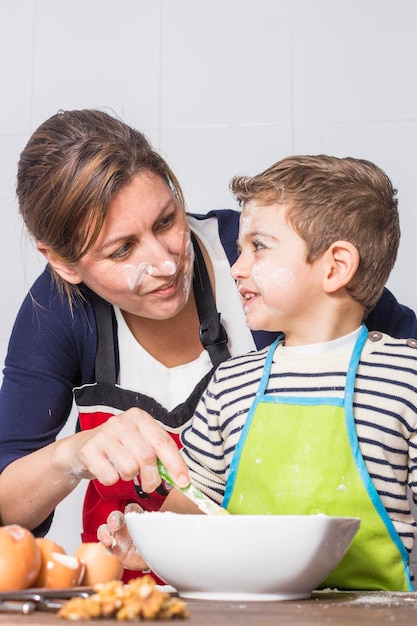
(64,269)
(342,263)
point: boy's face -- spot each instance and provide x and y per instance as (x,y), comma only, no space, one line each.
(279,290)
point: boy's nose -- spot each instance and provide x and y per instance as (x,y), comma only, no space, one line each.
(237,269)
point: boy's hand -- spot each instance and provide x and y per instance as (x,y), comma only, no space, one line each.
(115,536)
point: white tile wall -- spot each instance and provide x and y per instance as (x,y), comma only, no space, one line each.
(17,21)
(220,88)
(353,61)
(225,63)
(226,151)
(97,53)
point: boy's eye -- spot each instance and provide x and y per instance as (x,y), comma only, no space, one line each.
(258,245)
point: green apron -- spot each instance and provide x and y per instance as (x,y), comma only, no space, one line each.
(316,467)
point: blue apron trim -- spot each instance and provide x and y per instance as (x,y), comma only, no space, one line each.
(359,461)
(242,439)
(267,368)
(304,401)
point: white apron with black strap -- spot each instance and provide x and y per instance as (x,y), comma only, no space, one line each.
(98,401)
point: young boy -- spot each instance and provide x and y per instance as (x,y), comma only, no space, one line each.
(324,421)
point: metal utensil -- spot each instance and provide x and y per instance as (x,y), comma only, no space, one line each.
(193,493)
(28,600)
(15,606)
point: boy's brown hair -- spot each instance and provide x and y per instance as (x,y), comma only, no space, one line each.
(330,199)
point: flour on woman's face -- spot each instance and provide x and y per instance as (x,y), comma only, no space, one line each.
(142,259)
(189,255)
(136,274)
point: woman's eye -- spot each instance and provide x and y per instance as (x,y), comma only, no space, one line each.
(166,221)
(122,251)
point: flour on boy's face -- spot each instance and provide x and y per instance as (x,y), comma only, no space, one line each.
(267,277)
(272,275)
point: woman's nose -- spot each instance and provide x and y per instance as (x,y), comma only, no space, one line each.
(158,256)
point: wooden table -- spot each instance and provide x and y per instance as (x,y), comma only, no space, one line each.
(323,608)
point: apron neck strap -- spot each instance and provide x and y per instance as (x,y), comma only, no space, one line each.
(106,363)
(213,335)
(353,365)
(351,373)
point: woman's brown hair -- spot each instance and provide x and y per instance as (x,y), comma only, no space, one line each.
(69,172)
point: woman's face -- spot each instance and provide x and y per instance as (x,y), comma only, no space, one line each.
(142,261)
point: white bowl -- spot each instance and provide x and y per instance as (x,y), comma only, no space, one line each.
(241,557)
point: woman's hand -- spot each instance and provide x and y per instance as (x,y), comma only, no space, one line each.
(123,447)
(115,536)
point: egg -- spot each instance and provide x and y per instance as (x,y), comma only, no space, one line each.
(63,570)
(46,547)
(20,558)
(100,565)
(58,570)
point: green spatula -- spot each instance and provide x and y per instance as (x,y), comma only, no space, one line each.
(191,491)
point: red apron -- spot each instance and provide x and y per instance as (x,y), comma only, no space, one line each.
(98,401)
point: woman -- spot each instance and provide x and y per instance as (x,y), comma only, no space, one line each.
(117,320)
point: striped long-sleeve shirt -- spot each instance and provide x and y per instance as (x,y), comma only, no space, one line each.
(385,411)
